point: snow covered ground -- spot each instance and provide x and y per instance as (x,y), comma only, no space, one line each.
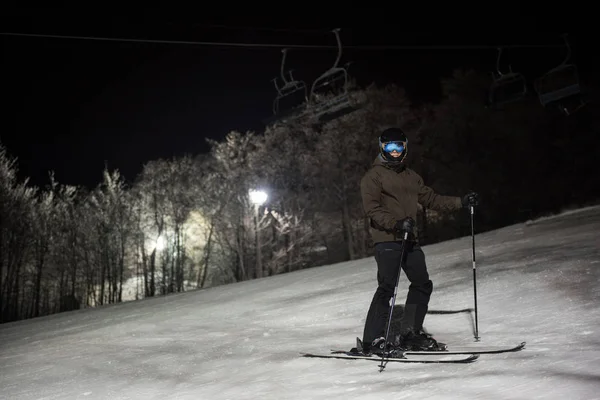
(538,283)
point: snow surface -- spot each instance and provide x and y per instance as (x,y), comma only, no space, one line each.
(538,282)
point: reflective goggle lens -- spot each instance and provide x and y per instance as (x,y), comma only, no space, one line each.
(391,146)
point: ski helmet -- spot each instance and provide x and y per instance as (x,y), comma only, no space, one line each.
(393,139)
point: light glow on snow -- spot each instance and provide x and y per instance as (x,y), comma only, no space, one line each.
(537,282)
(160,243)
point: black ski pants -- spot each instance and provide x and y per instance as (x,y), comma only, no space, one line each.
(387,256)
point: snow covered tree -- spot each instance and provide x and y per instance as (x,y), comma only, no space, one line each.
(66,248)
(180,197)
(212,198)
(111,204)
(150,195)
(234,226)
(16,208)
(43,233)
(166,203)
(283,163)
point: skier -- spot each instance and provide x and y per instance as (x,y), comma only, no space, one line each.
(390,193)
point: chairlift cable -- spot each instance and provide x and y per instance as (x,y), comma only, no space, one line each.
(279,45)
(254,28)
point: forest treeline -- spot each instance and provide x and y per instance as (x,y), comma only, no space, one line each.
(188,222)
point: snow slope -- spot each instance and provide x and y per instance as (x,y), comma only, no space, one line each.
(538,282)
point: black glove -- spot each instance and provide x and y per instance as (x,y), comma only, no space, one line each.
(405,225)
(470,199)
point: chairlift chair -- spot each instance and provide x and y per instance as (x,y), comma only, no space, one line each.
(329,97)
(506,87)
(560,85)
(291,96)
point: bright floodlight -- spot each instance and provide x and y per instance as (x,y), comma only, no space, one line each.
(258,197)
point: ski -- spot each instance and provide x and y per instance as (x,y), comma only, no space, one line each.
(458,350)
(411,359)
(472,350)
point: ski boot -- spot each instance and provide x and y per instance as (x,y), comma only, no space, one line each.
(420,341)
(376,348)
(382,349)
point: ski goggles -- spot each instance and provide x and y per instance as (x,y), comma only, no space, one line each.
(394,146)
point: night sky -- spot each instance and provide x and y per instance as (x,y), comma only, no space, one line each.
(72,105)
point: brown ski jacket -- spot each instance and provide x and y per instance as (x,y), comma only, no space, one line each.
(391,193)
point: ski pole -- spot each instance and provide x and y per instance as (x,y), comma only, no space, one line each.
(393,301)
(474,273)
